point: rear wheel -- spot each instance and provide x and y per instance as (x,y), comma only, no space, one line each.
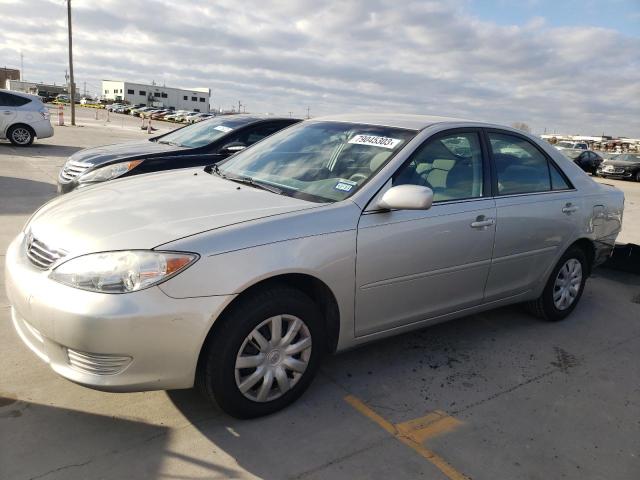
(20,135)
(564,287)
(265,353)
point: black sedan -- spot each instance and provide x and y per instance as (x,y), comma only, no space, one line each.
(587,160)
(625,165)
(203,143)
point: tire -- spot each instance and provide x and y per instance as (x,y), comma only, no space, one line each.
(545,307)
(21,135)
(220,381)
(637,176)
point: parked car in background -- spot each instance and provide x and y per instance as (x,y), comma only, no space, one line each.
(23,117)
(113,106)
(199,117)
(587,160)
(204,143)
(136,112)
(173,116)
(333,233)
(624,165)
(572,145)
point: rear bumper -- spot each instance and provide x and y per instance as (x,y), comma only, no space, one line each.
(144,340)
(43,129)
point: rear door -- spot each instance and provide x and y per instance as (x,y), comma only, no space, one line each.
(7,112)
(537,214)
(414,265)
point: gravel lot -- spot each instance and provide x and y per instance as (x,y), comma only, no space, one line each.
(498,395)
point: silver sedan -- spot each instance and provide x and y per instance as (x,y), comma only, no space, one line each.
(330,234)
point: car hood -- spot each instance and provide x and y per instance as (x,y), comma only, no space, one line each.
(150,210)
(619,163)
(121,151)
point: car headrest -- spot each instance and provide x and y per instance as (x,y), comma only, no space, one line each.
(377,160)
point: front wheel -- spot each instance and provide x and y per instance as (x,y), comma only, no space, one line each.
(265,353)
(564,287)
(20,135)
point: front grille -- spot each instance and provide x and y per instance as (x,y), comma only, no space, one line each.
(72,170)
(97,364)
(41,255)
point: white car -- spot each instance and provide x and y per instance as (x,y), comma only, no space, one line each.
(567,145)
(23,117)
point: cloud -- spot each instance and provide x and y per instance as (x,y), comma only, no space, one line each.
(376,55)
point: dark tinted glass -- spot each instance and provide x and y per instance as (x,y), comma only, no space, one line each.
(520,167)
(8,100)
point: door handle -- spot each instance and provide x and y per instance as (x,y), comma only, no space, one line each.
(482,222)
(569,208)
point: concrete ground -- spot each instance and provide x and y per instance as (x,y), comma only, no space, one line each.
(498,395)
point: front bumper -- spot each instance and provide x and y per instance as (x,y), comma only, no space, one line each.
(618,174)
(137,341)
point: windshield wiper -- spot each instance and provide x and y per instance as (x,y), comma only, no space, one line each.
(254,183)
(215,170)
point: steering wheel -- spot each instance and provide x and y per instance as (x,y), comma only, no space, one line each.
(357,177)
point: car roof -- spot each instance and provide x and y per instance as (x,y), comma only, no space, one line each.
(255,117)
(398,120)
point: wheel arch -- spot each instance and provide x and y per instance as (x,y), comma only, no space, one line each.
(312,286)
(587,246)
(20,124)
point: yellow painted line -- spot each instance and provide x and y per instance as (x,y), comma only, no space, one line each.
(370,414)
(414,432)
(429,426)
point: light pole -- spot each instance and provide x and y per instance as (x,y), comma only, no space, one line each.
(72,85)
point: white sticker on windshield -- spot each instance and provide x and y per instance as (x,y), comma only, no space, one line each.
(345,185)
(375,141)
(222,128)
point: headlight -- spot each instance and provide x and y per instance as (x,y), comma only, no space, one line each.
(123,271)
(110,171)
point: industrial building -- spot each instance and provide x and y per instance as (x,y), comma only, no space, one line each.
(196,99)
(42,89)
(8,74)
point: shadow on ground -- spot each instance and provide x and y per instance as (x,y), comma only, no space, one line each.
(38,149)
(19,196)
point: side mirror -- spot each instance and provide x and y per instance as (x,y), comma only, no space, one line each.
(233,147)
(407,197)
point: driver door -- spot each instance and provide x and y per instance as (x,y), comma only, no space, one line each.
(414,265)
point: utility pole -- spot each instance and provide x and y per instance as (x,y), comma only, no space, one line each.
(239,105)
(308,117)
(72,93)
(290,114)
(85,89)
(21,67)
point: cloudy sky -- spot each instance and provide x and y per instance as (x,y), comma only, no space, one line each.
(565,65)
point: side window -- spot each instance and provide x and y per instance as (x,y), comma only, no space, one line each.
(520,166)
(558,182)
(259,132)
(450,164)
(8,100)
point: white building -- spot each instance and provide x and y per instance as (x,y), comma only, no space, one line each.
(196,99)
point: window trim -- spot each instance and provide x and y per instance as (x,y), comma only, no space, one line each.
(487,189)
(550,161)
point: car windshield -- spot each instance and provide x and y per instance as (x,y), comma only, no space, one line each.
(203,133)
(319,161)
(564,144)
(628,157)
(572,154)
